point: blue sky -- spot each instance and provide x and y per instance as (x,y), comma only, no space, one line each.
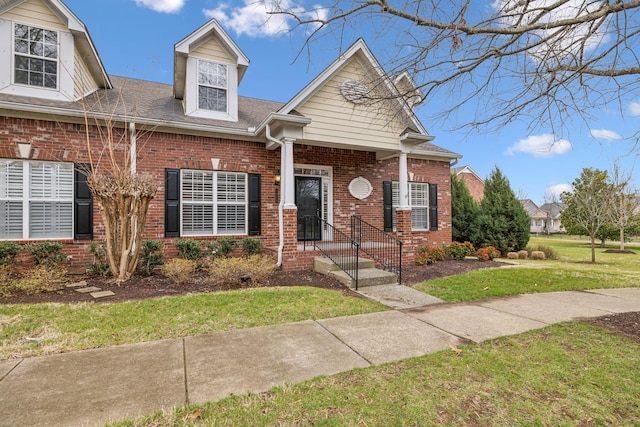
(135,38)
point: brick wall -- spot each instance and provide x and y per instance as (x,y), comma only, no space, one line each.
(159,150)
(475,185)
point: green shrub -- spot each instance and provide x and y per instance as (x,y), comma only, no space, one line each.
(427,255)
(234,272)
(149,258)
(459,251)
(8,252)
(190,249)
(100,265)
(251,246)
(224,246)
(549,252)
(42,278)
(47,253)
(179,270)
(487,253)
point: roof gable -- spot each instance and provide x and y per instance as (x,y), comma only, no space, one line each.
(378,80)
(72,23)
(209,36)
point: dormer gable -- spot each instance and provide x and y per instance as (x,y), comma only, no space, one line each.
(208,67)
(47,52)
(408,89)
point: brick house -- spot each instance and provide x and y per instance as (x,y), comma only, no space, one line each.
(472,180)
(225,165)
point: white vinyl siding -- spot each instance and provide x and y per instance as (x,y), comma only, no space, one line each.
(418,201)
(213,203)
(36,200)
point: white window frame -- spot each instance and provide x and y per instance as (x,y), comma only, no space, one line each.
(35,56)
(49,192)
(210,195)
(65,90)
(222,70)
(192,100)
(417,191)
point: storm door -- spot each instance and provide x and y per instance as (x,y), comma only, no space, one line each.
(309,203)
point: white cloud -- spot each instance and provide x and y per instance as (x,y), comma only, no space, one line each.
(634,109)
(609,135)
(540,146)
(254,19)
(558,189)
(165,6)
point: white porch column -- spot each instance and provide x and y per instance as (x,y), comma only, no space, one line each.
(403,182)
(288,184)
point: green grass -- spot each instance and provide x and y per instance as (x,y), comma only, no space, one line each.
(564,375)
(67,327)
(572,271)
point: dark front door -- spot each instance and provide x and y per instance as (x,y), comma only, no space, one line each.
(309,206)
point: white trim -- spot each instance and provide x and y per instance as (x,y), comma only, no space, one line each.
(191,101)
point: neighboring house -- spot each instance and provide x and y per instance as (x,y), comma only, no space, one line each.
(530,207)
(472,180)
(225,165)
(546,219)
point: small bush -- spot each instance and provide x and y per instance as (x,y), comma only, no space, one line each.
(523,254)
(190,249)
(539,255)
(233,272)
(513,255)
(7,279)
(42,278)
(179,270)
(549,252)
(251,246)
(488,253)
(224,246)
(428,255)
(459,251)
(149,258)
(8,252)
(47,253)
(100,265)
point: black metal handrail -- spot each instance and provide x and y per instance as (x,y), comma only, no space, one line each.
(340,249)
(384,248)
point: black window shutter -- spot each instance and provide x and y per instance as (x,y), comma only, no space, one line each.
(433,207)
(387,200)
(83,203)
(255,215)
(172,202)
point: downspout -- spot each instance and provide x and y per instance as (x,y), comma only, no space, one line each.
(281,204)
(455,162)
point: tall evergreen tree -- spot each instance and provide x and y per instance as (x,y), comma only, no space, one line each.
(464,212)
(503,223)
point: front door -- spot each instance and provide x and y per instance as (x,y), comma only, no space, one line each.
(309,203)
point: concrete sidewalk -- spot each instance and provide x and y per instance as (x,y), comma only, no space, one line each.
(93,387)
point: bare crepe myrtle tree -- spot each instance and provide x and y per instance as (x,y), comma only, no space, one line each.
(623,201)
(543,62)
(122,195)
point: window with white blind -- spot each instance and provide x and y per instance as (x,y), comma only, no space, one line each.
(36,200)
(418,201)
(213,203)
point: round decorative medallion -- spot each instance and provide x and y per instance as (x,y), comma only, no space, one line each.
(360,188)
(355,91)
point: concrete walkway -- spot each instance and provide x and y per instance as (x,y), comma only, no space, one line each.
(92,387)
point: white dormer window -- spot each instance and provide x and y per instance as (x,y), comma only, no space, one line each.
(36,56)
(212,86)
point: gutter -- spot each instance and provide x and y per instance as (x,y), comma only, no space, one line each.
(281,204)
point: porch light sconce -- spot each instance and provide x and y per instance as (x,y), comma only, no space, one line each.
(276,182)
(24,150)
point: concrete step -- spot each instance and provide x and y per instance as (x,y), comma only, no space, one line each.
(324,265)
(366,277)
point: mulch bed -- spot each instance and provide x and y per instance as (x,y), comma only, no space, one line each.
(625,324)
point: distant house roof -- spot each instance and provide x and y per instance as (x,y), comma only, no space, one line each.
(529,206)
(466,169)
